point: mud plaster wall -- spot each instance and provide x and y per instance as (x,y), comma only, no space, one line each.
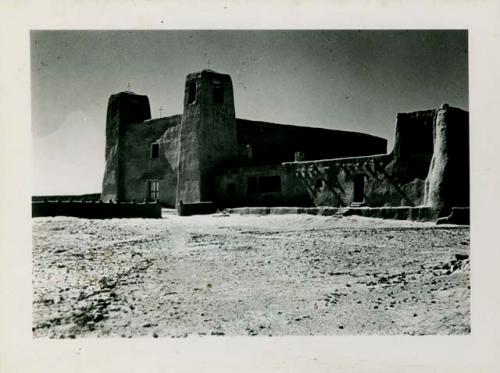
(396,179)
(207,136)
(139,167)
(96,210)
(386,183)
(447,184)
(210,135)
(273,143)
(292,191)
(123,108)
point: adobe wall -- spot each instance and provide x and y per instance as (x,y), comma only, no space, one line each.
(124,108)
(96,210)
(138,165)
(67,197)
(386,183)
(447,184)
(207,135)
(273,143)
(396,179)
(414,133)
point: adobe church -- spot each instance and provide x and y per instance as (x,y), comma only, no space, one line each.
(206,154)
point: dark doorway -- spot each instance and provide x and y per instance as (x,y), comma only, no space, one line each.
(359,187)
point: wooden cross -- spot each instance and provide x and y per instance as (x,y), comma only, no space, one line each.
(128,86)
(160,110)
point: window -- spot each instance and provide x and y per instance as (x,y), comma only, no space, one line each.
(192,92)
(217,93)
(155,151)
(269,184)
(153,190)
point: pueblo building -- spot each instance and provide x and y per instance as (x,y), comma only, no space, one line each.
(208,155)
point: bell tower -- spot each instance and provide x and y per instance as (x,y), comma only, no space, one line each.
(208,134)
(124,108)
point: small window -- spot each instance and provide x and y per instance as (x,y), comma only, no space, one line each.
(153,190)
(231,188)
(218,93)
(269,184)
(252,184)
(155,151)
(192,92)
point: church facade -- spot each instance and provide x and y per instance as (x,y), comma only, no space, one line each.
(207,154)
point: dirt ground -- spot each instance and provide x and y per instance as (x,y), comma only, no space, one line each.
(271,275)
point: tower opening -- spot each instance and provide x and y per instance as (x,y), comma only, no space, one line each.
(217,92)
(192,92)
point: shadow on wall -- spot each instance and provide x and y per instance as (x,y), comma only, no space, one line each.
(373,181)
(406,176)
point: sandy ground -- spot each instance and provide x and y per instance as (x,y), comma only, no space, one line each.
(249,275)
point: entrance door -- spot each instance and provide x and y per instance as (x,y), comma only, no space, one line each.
(359,188)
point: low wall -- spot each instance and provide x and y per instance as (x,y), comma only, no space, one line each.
(199,208)
(67,197)
(458,215)
(397,213)
(323,211)
(96,209)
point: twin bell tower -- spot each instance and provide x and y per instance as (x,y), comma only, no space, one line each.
(207,135)
(207,141)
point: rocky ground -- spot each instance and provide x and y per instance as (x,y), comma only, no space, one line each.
(249,275)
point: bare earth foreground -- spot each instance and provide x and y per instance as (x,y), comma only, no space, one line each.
(267,275)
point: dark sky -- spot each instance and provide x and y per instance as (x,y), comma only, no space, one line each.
(353,80)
